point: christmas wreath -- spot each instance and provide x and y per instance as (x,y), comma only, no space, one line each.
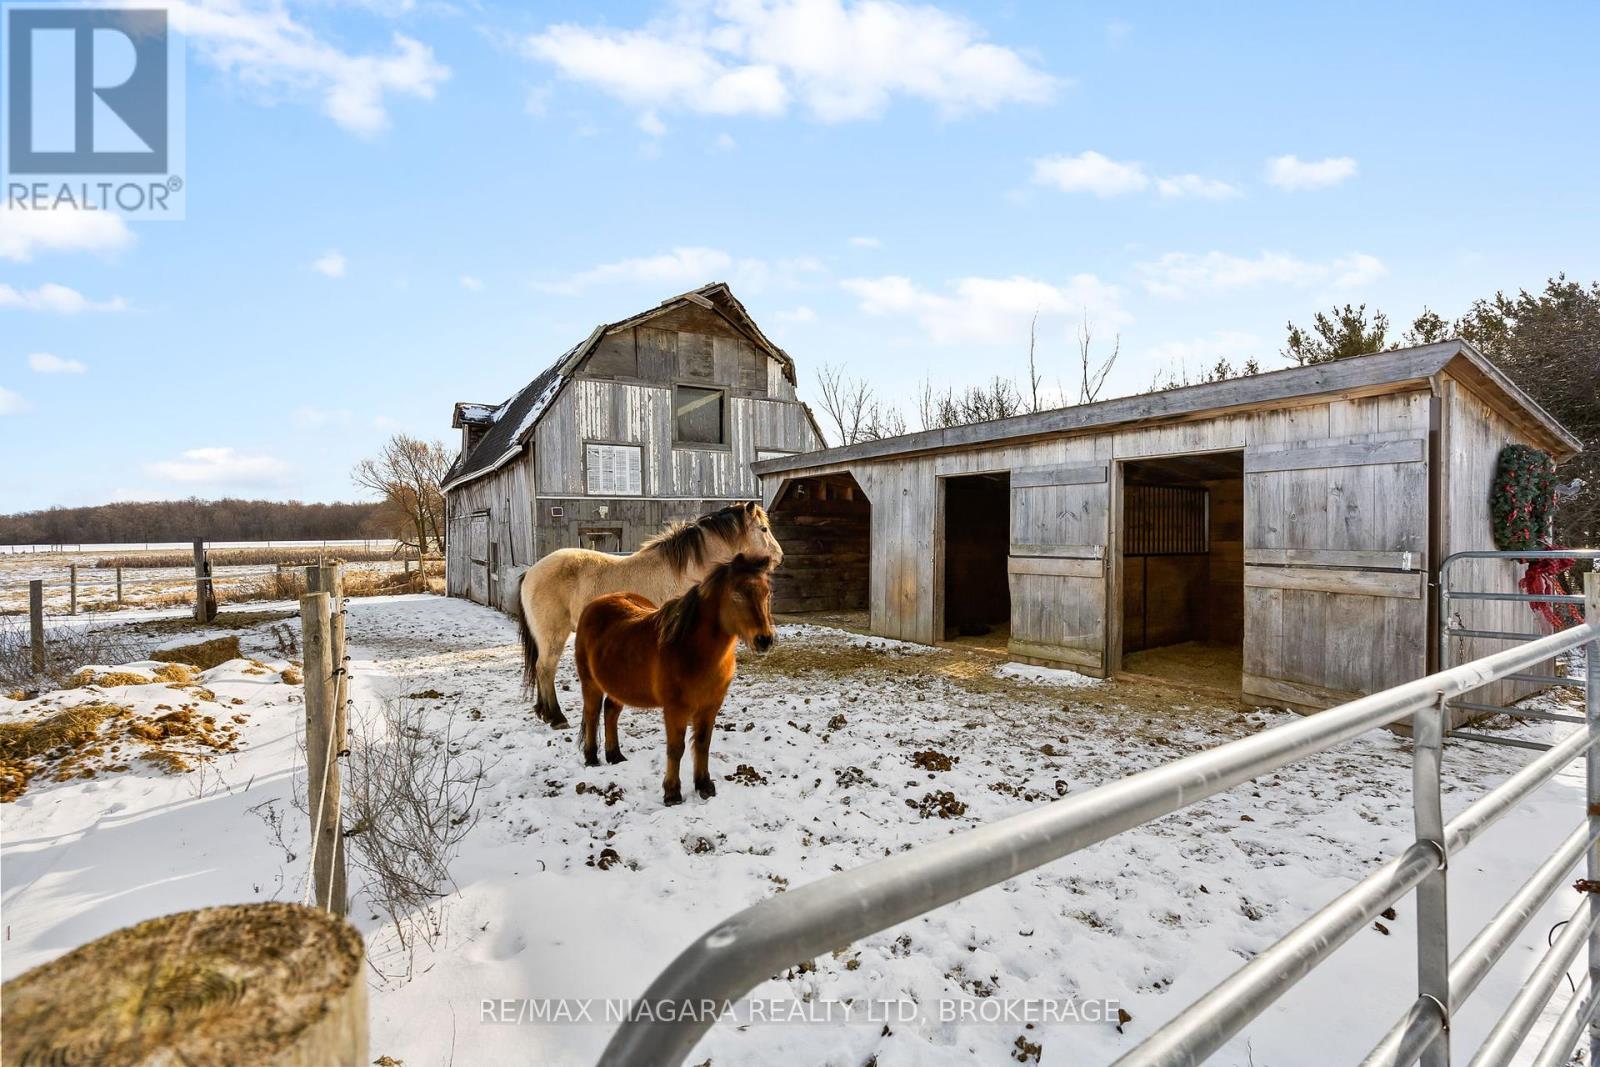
(1521,505)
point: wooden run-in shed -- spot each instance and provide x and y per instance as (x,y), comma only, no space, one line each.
(1272,535)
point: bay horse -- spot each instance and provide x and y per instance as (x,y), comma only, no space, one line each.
(679,658)
(552,593)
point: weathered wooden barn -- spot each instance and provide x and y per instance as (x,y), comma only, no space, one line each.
(651,419)
(1272,535)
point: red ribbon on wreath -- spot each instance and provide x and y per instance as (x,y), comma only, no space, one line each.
(1545,577)
(1521,506)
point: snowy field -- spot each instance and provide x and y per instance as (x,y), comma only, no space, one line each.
(576,882)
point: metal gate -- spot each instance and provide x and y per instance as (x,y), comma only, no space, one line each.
(1451,602)
(745,949)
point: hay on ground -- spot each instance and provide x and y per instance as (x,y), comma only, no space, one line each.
(202,656)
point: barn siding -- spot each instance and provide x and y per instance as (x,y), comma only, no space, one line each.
(1320,644)
(1474,434)
(622,393)
(507,496)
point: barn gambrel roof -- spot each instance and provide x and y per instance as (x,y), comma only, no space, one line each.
(512,423)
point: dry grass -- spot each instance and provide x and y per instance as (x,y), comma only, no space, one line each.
(86,740)
(202,656)
(238,557)
(109,679)
(358,582)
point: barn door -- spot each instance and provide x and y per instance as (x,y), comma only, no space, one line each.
(478,557)
(1057,565)
(1335,535)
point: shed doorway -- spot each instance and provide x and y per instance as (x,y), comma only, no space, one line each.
(1182,567)
(824,524)
(977,550)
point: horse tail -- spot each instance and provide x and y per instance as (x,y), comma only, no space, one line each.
(530,644)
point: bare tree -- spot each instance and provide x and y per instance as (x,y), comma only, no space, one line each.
(846,401)
(1034,377)
(1093,377)
(407,474)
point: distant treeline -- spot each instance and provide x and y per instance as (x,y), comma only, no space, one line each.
(184,520)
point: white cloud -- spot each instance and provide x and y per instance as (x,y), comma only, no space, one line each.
(691,266)
(1179,274)
(221,467)
(1180,185)
(684,267)
(46,363)
(865,242)
(11,403)
(471,284)
(263,46)
(23,233)
(797,315)
(989,310)
(58,299)
(724,143)
(1293,173)
(331,264)
(840,61)
(651,124)
(1091,172)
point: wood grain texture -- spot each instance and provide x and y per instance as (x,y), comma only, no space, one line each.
(1066,568)
(1336,580)
(1352,454)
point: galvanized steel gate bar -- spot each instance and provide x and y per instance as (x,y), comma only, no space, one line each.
(747,948)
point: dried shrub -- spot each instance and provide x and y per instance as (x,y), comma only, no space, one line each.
(409,797)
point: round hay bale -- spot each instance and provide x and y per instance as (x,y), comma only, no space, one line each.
(272,983)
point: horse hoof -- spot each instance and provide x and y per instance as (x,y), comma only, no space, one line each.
(615,757)
(558,722)
(706,790)
(672,799)
(591,760)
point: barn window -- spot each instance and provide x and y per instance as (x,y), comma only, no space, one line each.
(698,416)
(613,470)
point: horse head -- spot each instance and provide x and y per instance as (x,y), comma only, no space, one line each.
(756,538)
(745,601)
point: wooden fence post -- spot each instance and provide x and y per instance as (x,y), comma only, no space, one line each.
(36,623)
(322,764)
(119,586)
(327,581)
(72,585)
(200,582)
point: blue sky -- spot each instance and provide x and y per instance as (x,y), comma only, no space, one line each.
(394,206)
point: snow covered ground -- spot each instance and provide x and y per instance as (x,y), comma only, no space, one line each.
(835,750)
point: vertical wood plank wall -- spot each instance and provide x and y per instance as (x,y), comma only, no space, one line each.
(507,495)
(1474,434)
(623,394)
(1323,644)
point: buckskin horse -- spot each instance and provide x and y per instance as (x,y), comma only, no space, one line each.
(553,592)
(679,658)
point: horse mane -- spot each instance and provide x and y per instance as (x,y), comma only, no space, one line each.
(685,544)
(677,617)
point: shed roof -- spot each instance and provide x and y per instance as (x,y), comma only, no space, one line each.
(1357,375)
(512,422)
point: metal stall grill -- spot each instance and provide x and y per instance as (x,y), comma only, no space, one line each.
(1450,627)
(747,948)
